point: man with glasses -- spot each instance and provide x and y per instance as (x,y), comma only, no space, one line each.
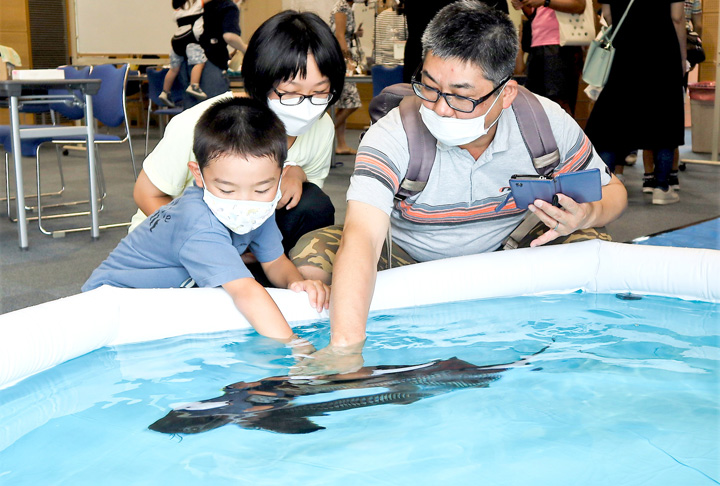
(467,93)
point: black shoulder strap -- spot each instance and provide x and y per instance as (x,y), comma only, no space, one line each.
(536,132)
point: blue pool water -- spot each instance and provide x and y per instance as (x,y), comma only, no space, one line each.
(628,392)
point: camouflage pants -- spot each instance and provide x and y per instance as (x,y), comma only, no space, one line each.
(318,248)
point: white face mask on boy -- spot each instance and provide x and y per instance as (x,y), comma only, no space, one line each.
(457,131)
(298,118)
(239,216)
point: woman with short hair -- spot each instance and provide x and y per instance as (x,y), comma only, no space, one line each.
(294,64)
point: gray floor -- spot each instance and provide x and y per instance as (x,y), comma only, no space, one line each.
(57,267)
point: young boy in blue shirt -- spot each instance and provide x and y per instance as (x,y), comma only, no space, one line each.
(198,238)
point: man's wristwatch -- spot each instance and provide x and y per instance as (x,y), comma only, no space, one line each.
(547,3)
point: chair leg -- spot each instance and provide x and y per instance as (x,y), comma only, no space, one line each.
(7,185)
(39,202)
(147,130)
(8,197)
(101,176)
(132,152)
(58,150)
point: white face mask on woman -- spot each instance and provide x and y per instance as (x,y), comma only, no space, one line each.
(457,131)
(298,118)
(239,216)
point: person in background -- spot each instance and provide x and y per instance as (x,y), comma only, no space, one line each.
(185,46)
(221,28)
(693,14)
(419,13)
(466,91)
(342,23)
(553,70)
(198,238)
(657,125)
(390,34)
(693,21)
(294,64)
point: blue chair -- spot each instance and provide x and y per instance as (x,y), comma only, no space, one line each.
(109,105)
(383,76)
(70,110)
(108,108)
(156,79)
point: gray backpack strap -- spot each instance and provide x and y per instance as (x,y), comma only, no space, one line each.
(536,132)
(421,145)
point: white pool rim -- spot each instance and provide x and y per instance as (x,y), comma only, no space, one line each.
(39,337)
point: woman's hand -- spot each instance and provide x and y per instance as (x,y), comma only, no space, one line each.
(291,187)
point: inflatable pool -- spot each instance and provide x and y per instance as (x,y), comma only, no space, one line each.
(37,338)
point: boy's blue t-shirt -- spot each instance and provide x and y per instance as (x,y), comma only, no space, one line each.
(184,240)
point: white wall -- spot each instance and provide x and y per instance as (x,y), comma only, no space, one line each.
(107,27)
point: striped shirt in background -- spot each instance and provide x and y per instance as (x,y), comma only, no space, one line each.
(389,28)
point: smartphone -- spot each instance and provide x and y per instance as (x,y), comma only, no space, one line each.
(582,186)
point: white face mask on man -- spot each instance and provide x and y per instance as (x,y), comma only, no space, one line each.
(239,216)
(457,131)
(298,118)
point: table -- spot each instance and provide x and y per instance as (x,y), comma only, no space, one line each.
(364,78)
(13,90)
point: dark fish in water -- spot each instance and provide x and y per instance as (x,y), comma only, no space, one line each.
(273,403)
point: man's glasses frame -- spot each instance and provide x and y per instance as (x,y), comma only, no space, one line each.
(418,88)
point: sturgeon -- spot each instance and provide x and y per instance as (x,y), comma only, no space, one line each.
(276,403)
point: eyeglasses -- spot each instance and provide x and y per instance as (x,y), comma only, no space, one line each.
(294,99)
(456,102)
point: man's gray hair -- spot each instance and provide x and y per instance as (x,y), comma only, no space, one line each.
(473,32)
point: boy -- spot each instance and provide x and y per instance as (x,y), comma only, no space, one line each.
(198,238)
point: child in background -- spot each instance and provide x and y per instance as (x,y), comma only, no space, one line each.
(185,43)
(197,239)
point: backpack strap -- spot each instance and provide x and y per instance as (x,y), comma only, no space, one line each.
(536,132)
(531,117)
(421,145)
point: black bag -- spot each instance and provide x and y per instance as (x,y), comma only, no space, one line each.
(526,37)
(695,51)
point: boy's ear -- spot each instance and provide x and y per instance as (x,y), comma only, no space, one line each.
(195,170)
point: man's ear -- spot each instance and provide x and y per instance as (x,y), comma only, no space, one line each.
(195,171)
(509,94)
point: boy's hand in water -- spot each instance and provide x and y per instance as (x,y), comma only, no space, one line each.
(330,360)
(301,347)
(318,292)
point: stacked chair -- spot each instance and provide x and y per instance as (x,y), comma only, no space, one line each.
(109,109)
(156,78)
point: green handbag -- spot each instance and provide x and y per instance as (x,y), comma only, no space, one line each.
(601,53)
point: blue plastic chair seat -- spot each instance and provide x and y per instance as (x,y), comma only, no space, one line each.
(27,147)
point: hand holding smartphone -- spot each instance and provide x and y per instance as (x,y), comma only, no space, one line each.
(582,186)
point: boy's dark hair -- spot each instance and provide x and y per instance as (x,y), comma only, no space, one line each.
(278,52)
(239,126)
